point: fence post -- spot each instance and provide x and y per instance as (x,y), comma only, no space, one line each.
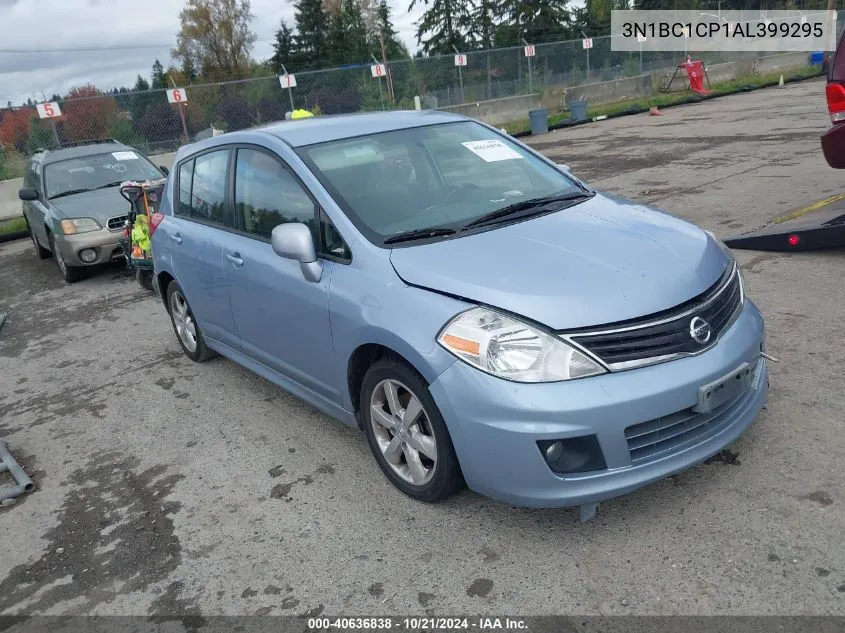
(460,76)
(290,92)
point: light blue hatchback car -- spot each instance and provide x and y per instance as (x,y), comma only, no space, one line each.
(485,317)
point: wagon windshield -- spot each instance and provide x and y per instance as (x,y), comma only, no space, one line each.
(77,175)
(444,176)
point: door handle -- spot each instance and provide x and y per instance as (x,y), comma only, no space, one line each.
(176,238)
(236,259)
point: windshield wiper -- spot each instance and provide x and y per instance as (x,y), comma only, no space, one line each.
(111,184)
(69,193)
(420,234)
(527,208)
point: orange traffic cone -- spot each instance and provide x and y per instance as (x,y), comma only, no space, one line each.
(653,111)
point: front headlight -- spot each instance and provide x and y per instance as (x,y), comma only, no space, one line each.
(505,347)
(80,225)
(732,261)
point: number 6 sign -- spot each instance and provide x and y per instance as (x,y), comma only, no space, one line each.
(48,110)
(378,70)
(177,95)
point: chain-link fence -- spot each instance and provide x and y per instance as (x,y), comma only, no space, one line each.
(148,121)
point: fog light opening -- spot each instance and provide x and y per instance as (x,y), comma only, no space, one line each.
(87,255)
(573,455)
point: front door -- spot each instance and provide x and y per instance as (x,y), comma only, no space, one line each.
(194,238)
(282,319)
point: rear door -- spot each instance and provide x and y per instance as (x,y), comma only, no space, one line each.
(282,318)
(833,141)
(195,235)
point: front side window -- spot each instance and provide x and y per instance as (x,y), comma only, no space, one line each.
(99,171)
(444,175)
(267,194)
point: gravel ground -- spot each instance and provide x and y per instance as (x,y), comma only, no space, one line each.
(167,487)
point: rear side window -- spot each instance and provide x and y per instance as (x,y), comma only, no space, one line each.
(202,187)
(268,194)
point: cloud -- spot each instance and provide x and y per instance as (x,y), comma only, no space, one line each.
(96,24)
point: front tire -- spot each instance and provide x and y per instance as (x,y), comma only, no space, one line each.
(187,330)
(144,278)
(40,251)
(71,274)
(407,434)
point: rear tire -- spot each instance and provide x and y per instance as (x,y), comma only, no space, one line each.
(71,274)
(145,278)
(187,330)
(415,454)
(40,251)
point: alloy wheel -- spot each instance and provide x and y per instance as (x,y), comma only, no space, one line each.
(403,432)
(183,321)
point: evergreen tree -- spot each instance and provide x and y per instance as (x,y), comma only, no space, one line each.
(159,80)
(385,33)
(444,24)
(347,34)
(141,84)
(484,23)
(283,49)
(311,28)
(532,20)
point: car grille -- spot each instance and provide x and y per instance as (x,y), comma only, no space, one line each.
(650,440)
(667,334)
(116,223)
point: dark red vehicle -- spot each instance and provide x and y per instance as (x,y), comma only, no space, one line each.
(833,141)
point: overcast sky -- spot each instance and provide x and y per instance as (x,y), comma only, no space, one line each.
(92,24)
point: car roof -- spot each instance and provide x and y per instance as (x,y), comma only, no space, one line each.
(320,129)
(63,153)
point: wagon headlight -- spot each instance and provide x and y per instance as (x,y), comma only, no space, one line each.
(80,225)
(732,261)
(505,347)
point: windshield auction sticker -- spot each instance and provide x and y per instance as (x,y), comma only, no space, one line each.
(705,31)
(491,151)
(124,155)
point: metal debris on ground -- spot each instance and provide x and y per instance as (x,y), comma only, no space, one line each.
(24,483)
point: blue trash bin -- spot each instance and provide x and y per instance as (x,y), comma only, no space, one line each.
(539,121)
(578,110)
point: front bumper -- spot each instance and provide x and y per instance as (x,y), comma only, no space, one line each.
(495,424)
(105,243)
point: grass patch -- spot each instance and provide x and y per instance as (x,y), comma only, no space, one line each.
(742,83)
(13,165)
(12,225)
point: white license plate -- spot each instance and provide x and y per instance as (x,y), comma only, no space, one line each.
(725,389)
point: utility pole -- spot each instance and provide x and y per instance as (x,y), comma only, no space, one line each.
(290,92)
(460,75)
(530,80)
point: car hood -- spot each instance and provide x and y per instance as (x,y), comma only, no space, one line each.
(100,204)
(602,261)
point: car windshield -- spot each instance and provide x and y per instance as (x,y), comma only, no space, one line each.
(96,171)
(441,177)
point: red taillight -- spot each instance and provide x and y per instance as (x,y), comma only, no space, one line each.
(835,94)
(793,240)
(155,220)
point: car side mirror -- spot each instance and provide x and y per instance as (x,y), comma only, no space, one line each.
(164,170)
(27,194)
(293,240)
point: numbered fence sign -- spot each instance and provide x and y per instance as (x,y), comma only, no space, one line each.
(378,70)
(460,60)
(48,110)
(529,51)
(177,95)
(641,38)
(587,42)
(287,81)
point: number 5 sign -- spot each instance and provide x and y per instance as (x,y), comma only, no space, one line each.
(378,70)
(48,110)
(177,95)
